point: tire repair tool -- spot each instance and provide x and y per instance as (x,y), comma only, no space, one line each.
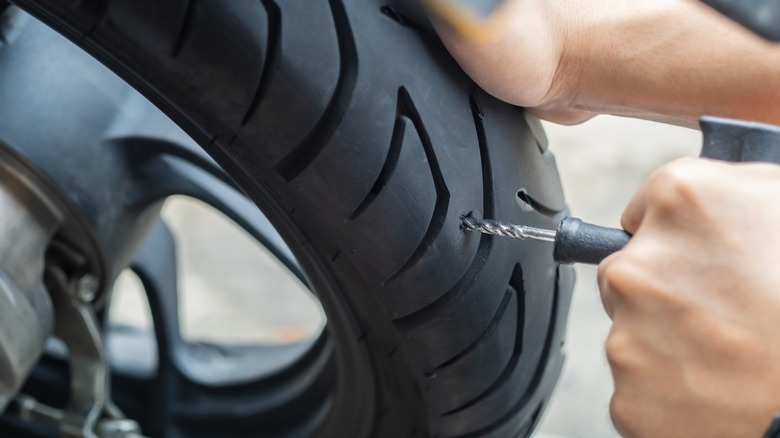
(576,241)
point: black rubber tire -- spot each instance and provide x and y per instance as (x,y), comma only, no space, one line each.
(365,144)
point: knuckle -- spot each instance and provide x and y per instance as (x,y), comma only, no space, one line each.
(615,275)
(619,348)
(632,280)
(621,414)
(607,297)
(630,220)
(675,186)
(603,270)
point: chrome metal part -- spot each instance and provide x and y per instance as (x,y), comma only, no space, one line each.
(497,228)
(36,222)
(28,222)
(90,413)
(76,325)
(31,410)
(87,288)
(26,315)
(119,428)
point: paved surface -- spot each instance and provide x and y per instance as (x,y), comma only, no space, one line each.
(601,163)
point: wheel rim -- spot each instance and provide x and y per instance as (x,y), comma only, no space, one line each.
(201,396)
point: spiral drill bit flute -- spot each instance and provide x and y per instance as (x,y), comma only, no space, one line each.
(574,242)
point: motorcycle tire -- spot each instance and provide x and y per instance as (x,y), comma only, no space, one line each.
(365,145)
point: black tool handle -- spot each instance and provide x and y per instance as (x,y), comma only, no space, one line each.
(724,139)
(760,16)
(581,242)
(738,141)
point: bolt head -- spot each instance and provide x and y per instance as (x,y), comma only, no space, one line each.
(87,288)
(118,428)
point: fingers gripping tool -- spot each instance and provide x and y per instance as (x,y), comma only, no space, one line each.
(576,241)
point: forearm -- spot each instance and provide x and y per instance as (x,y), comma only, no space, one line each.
(666,60)
(669,60)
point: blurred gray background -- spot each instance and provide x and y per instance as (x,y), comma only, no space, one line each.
(233,291)
(602,162)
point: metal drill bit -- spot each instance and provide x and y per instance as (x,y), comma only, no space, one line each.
(488,226)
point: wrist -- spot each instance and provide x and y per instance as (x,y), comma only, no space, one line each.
(518,62)
(608,48)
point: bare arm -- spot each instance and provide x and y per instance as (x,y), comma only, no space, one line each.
(665,60)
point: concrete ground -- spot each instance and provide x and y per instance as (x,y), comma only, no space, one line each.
(601,163)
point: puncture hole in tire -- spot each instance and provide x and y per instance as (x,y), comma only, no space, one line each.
(471,214)
(393,14)
(524,201)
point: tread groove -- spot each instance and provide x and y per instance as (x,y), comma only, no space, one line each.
(391,161)
(98,10)
(516,286)
(186,28)
(432,310)
(294,163)
(274,14)
(488,203)
(536,205)
(491,328)
(535,380)
(407,108)
(401,19)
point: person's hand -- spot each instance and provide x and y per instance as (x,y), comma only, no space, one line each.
(522,61)
(664,60)
(695,303)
